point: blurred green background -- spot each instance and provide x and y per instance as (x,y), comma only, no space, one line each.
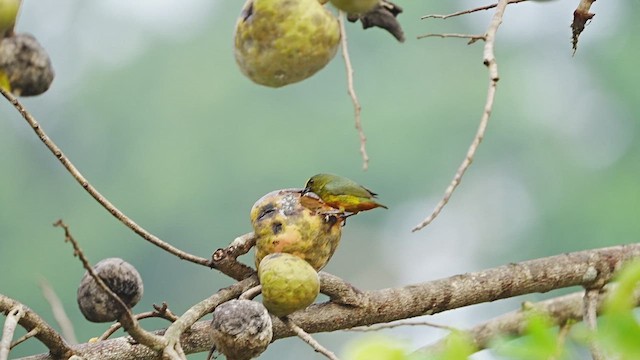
(149,104)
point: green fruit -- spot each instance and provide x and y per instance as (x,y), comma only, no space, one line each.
(288,283)
(279,42)
(8,13)
(355,6)
(284,221)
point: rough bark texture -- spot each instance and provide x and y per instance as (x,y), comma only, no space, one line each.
(585,268)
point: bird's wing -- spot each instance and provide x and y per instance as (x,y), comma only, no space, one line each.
(350,188)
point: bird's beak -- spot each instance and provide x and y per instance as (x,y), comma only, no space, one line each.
(304,191)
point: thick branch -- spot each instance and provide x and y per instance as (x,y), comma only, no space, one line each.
(58,348)
(560,310)
(588,268)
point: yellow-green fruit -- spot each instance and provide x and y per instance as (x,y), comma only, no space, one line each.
(355,6)
(288,283)
(284,221)
(279,42)
(8,13)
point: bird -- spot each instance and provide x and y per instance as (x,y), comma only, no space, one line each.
(342,194)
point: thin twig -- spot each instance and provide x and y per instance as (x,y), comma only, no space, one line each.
(9,328)
(58,312)
(591,297)
(465,12)
(562,338)
(251,293)
(93,191)
(401,323)
(162,312)
(352,92)
(25,337)
(127,319)
(472,38)
(581,16)
(308,339)
(489,61)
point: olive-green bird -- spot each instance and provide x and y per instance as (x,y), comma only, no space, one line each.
(341,193)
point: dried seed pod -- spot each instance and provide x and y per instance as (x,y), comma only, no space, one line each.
(241,329)
(121,277)
(25,65)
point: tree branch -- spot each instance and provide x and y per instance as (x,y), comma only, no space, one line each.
(489,61)
(58,347)
(13,316)
(465,12)
(308,338)
(589,268)
(128,321)
(93,191)
(58,312)
(590,316)
(352,92)
(561,310)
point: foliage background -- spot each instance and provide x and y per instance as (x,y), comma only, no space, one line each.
(150,106)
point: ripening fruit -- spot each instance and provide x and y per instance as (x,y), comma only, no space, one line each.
(284,221)
(8,13)
(342,193)
(355,6)
(288,283)
(279,42)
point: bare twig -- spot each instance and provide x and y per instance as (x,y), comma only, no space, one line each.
(401,323)
(197,311)
(563,311)
(127,319)
(9,328)
(472,38)
(340,291)
(590,308)
(251,293)
(583,268)
(352,92)
(36,326)
(465,12)
(562,338)
(308,339)
(162,312)
(581,16)
(93,191)
(489,61)
(225,259)
(25,337)
(58,312)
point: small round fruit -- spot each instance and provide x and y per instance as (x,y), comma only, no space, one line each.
(25,65)
(241,329)
(284,221)
(121,277)
(355,6)
(288,283)
(280,42)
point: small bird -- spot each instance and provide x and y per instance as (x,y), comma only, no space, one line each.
(341,193)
